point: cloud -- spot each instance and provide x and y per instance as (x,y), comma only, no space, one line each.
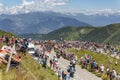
(1,7)
(55,2)
(49,5)
(33,5)
(27,3)
(1,4)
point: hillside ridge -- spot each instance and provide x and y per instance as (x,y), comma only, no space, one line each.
(105,34)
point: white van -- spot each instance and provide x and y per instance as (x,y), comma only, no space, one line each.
(31,48)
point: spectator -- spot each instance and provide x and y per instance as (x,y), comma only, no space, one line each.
(59,74)
(12,40)
(63,75)
(51,62)
(118,76)
(102,68)
(44,64)
(67,76)
(7,38)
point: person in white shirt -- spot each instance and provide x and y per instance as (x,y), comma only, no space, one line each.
(114,73)
(118,76)
(102,68)
(9,49)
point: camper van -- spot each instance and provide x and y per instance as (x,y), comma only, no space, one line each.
(31,48)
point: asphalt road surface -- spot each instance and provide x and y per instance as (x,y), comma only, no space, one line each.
(80,74)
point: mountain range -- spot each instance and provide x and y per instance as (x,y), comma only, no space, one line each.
(37,22)
(47,21)
(98,19)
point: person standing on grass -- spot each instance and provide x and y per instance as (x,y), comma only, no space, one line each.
(118,76)
(1,39)
(95,64)
(7,38)
(110,74)
(54,64)
(102,67)
(114,74)
(51,63)
(44,63)
(12,40)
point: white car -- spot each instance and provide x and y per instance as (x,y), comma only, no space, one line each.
(31,48)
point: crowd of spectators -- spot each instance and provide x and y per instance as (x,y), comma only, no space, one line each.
(60,47)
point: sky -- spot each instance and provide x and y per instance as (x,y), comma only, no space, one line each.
(95,4)
(61,4)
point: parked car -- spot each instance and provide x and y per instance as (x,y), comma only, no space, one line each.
(31,48)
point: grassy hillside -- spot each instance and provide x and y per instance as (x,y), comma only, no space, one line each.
(33,36)
(28,69)
(109,33)
(70,33)
(3,33)
(114,31)
(100,59)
